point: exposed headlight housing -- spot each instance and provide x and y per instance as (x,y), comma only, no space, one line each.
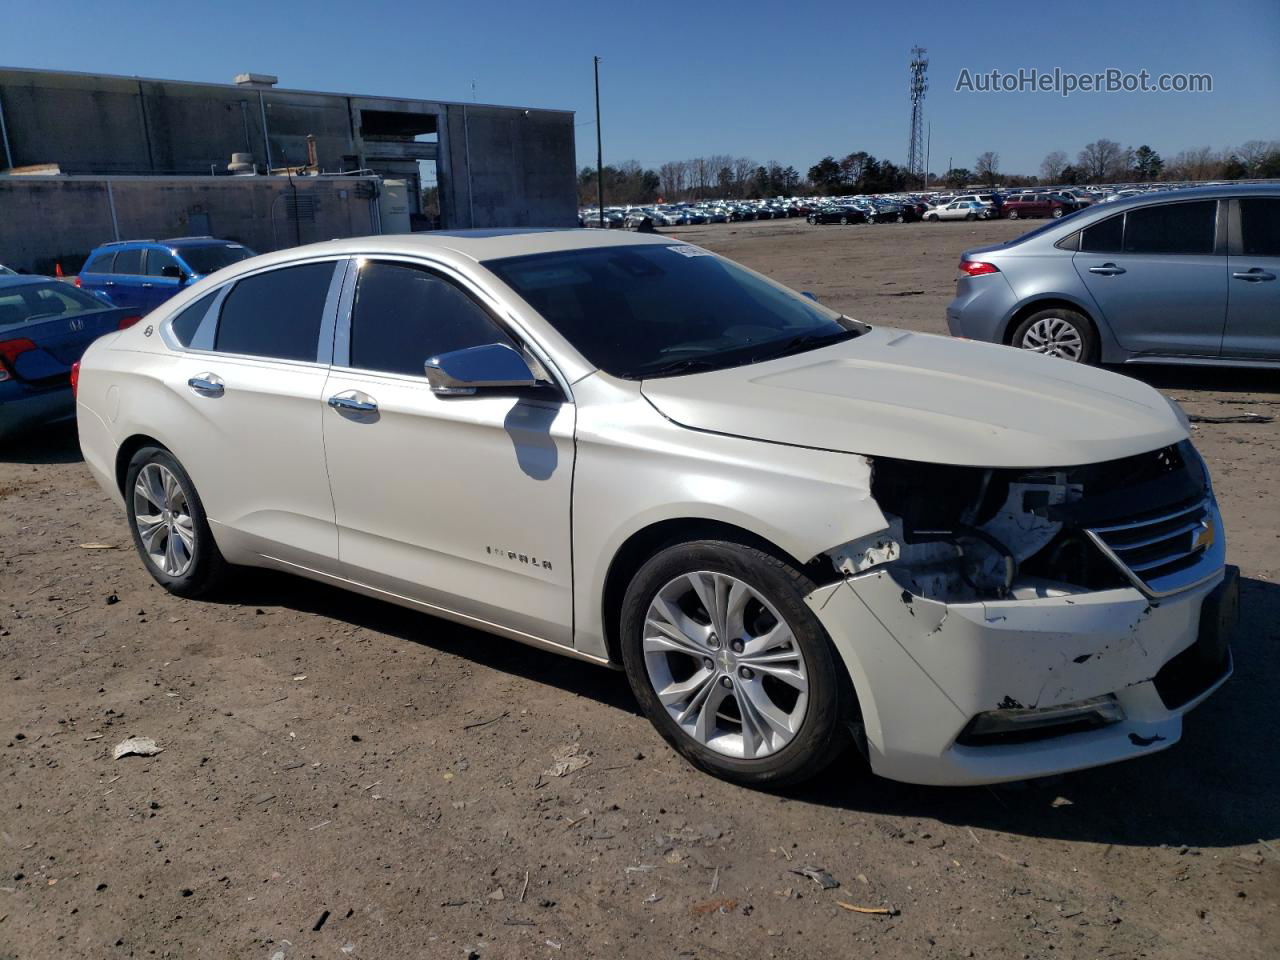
(1020,724)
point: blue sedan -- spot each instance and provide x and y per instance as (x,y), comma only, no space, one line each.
(45,326)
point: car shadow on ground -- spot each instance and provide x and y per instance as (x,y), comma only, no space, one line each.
(268,588)
(1219,379)
(1217,787)
(58,443)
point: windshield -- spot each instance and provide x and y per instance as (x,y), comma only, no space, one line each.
(205,260)
(36,301)
(654,310)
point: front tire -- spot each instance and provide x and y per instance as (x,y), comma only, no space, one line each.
(1013,214)
(731,666)
(1058,332)
(169,526)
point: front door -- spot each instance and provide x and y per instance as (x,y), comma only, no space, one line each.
(1157,277)
(457,502)
(1253,284)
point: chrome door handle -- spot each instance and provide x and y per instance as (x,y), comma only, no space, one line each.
(207,385)
(1107,270)
(1253,276)
(346,401)
(147,286)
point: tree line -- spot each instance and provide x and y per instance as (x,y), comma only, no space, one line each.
(721,176)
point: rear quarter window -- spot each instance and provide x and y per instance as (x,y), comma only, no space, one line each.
(276,314)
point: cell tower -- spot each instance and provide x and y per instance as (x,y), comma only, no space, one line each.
(915,152)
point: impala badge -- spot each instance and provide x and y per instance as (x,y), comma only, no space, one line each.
(77,324)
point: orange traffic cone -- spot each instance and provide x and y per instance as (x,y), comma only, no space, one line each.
(57,269)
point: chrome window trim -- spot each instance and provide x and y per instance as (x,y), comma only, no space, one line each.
(501,314)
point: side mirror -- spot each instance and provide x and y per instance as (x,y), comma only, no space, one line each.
(461,373)
(175,272)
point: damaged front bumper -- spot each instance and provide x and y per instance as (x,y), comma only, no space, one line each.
(924,669)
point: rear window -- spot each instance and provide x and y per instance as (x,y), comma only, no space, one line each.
(1171,228)
(99,262)
(1103,237)
(276,314)
(1260,226)
(214,257)
(40,301)
(129,262)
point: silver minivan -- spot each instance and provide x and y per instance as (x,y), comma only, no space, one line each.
(1187,276)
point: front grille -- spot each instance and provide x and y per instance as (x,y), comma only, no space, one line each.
(1172,550)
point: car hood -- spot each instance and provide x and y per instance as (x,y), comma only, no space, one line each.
(912,396)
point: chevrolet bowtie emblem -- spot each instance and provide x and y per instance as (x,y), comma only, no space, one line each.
(1204,537)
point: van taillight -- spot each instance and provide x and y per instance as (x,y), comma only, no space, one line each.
(77,280)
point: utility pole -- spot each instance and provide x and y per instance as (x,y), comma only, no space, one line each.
(599,147)
(928,145)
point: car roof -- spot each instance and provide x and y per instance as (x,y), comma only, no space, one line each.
(478,245)
(23,279)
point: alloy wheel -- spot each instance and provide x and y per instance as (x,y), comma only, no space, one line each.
(725,665)
(1056,337)
(163,519)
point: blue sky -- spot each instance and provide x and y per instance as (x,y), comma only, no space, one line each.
(784,81)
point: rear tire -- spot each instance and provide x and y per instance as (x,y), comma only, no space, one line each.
(970,216)
(844,220)
(169,526)
(1013,214)
(796,706)
(1058,332)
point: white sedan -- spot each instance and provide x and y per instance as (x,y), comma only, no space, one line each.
(958,210)
(792,530)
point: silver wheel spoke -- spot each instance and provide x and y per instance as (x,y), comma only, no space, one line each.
(772,724)
(685,690)
(705,728)
(148,528)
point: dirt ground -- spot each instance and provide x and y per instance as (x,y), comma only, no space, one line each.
(342,778)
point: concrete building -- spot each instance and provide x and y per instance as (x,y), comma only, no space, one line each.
(493,166)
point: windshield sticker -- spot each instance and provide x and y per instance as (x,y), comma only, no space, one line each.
(689,250)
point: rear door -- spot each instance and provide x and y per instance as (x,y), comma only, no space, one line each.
(249,374)
(157,288)
(1157,273)
(125,285)
(96,274)
(1253,285)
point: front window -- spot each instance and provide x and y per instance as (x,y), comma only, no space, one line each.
(654,310)
(40,301)
(205,260)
